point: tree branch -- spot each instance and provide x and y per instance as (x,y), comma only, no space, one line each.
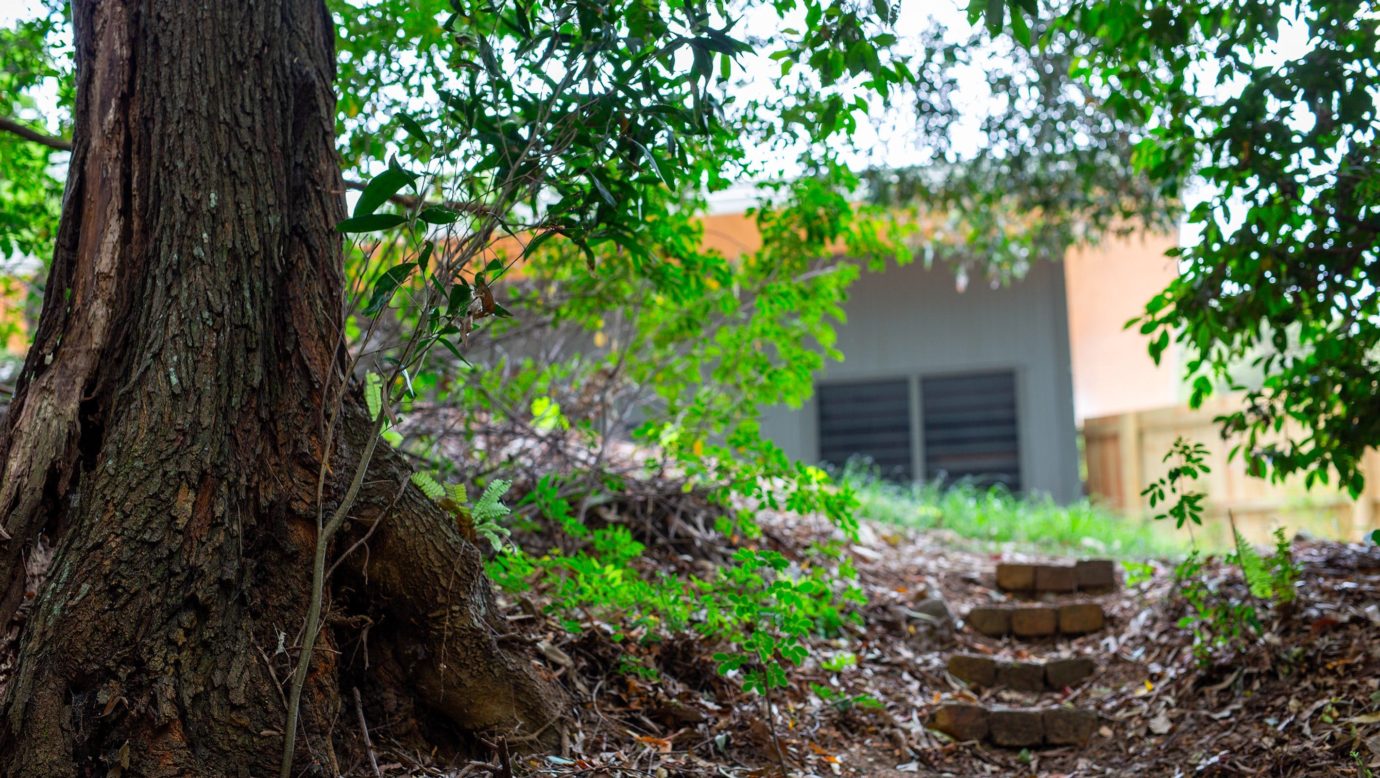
(34,136)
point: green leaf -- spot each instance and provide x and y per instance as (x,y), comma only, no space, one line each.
(386,285)
(727,663)
(458,494)
(424,259)
(460,296)
(437,214)
(1019,29)
(996,12)
(453,349)
(380,189)
(392,437)
(546,415)
(373,394)
(975,9)
(413,128)
(603,190)
(651,161)
(371,223)
(534,243)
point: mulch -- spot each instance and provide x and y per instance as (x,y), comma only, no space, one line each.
(1303,699)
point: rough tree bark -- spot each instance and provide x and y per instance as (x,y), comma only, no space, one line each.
(169,426)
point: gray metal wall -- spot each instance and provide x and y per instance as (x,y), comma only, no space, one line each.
(912,322)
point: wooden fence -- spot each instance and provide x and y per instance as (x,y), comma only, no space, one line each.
(1125,453)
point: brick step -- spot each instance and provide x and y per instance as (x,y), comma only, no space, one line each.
(1015,727)
(1037,621)
(1085,575)
(1053,675)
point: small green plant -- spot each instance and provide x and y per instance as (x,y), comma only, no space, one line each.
(1284,571)
(844,702)
(1362,769)
(637,667)
(1137,573)
(1271,580)
(1218,620)
(1215,620)
(483,516)
(840,661)
(761,608)
(1190,464)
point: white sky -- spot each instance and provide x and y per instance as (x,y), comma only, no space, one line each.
(10,10)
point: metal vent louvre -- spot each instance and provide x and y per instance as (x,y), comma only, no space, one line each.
(867,420)
(970,429)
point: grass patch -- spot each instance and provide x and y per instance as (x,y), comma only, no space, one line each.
(995,517)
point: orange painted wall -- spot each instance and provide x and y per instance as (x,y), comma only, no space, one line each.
(733,234)
(1106,286)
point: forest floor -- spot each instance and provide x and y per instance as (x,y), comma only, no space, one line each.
(1300,699)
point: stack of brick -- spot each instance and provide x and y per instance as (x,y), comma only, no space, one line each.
(1053,675)
(1026,727)
(1086,575)
(1037,621)
(1015,727)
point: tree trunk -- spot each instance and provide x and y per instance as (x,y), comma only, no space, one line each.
(169,428)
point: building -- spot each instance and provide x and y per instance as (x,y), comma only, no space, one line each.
(942,380)
(938,383)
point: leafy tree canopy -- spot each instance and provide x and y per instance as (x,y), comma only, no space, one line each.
(1282,148)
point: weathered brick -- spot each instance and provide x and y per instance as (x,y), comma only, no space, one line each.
(1055,578)
(1068,727)
(961,721)
(1011,727)
(1021,676)
(1034,622)
(1095,575)
(1012,577)
(992,622)
(1080,618)
(973,669)
(1063,673)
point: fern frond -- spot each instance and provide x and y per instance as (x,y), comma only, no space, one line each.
(489,507)
(1252,566)
(458,494)
(428,485)
(496,535)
